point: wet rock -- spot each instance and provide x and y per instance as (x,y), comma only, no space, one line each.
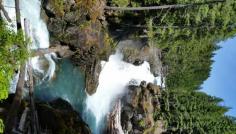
(88,61)
(143,84)
(127,114)
(44,16)
(129,126)
(138,107)
(136,51)
(133,96)
(55,117)
(56,27)
(58,117)
(71,17)
(154,89)
(68,26)
(49,9)
(136,131)
(138,62)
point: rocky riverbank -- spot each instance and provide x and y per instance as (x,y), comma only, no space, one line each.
(55,117)
(80,25)
(58,117)
(140,111)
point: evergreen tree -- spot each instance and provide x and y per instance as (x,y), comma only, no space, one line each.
(195,112)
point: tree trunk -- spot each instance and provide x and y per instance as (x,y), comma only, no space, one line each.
(12,115)
(144,8)
(23,119)
(113,120)
(18,19)
(161,7)
(4,12)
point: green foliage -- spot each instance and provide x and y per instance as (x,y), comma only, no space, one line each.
(189,64)
(189,42)
(13,52)
(121,3)
(187,37)
(141,123)
(58,6)
(89,7)
(195,112)
(1,126)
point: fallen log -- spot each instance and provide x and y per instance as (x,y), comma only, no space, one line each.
(113,120)
(33,113)
(176,6)
(63,51)
(35,129)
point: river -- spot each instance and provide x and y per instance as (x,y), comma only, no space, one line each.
(69,84)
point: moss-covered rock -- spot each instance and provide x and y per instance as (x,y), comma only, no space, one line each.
(79,25)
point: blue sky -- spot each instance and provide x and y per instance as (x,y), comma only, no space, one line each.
(222,81)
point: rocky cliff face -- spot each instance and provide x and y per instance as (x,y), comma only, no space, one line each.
(79,25)
(139,113)
(136,51)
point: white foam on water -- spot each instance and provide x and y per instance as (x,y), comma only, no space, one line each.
(30,9)
(113,81)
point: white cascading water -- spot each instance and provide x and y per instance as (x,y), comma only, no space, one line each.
(30,9)
(114,77)
(113,80)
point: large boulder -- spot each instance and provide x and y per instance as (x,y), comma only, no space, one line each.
(139,105)
(137,51)
(55,117)
(58,117)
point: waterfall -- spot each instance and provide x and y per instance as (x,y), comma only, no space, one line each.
(30,9)
(114,78)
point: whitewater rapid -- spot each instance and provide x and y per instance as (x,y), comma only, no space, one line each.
(30,9)
(114,78)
